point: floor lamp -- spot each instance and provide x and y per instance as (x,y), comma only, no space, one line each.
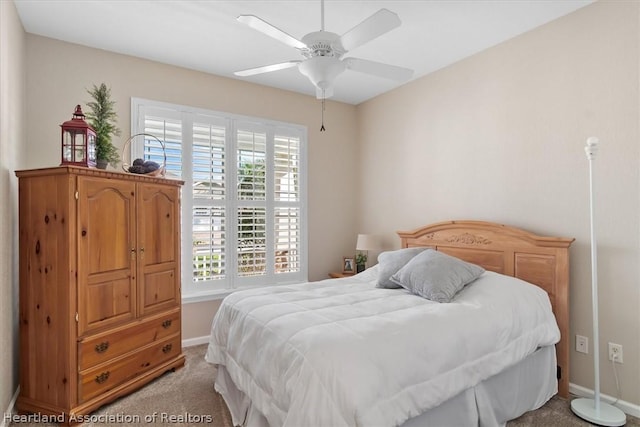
(593,410)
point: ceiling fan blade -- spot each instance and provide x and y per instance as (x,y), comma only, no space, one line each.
(379,69)
(267,68)
(374,26)
(268,29)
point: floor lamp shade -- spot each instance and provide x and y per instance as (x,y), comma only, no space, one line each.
(593,410)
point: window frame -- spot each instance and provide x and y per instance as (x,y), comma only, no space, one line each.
(201,291)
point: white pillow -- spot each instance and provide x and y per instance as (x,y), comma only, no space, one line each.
(436,276)
(392,261)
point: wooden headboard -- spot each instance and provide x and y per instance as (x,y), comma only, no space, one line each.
(543,261)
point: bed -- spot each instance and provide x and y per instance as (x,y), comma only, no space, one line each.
(347,352)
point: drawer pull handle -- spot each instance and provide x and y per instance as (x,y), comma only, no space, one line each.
(166,348)
(166,324)
(102,347)
(102,377)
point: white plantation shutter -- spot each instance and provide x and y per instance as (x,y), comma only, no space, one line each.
(208,175)
(252,234)
(243,201)
(209,261)
(169,132)
(287,168)
(251,163)
(287,240)
(287,212)
(166,126)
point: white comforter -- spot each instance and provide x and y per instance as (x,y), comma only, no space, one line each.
(343,353)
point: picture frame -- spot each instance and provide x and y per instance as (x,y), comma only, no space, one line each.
(348,265)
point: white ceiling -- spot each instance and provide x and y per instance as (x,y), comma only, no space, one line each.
(204,34)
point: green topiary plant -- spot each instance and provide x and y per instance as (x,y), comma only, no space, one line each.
(103,118)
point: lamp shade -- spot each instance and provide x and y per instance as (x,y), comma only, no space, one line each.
(366,242)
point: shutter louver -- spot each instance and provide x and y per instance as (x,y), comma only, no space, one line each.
(286,169)
(286,194)
(208,184)
(252,249)
(170,133)
(209,241)
(252,152)
(208,162)
(287,240)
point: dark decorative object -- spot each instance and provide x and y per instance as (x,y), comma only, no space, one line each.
(145,167)
(78,141)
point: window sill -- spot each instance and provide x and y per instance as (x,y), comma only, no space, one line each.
(218,294)
(206,296)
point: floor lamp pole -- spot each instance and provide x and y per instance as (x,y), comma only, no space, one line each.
(593,410)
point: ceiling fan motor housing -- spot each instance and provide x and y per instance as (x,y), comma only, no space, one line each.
(322,43)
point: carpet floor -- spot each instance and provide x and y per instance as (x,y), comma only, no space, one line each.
(187,398)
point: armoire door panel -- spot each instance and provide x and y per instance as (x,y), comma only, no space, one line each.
(112,303)
(159,290)
(157,212)
(109,225)
(158,234)
(106,252)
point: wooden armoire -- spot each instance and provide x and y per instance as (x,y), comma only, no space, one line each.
(99,286)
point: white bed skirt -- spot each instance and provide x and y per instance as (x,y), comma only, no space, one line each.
(503,397)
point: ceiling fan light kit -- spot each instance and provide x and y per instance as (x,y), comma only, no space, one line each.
(323,51)
(322,70)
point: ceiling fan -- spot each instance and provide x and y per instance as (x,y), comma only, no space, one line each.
(323,51)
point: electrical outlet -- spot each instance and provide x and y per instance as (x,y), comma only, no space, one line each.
(615,350)
(582,344)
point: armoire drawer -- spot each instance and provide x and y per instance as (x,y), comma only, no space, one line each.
(107,376)
(105,346)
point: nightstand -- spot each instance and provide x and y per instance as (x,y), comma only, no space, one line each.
(337,275)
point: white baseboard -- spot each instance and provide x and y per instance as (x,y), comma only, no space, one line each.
(195,341)
(626,407)
(9,410)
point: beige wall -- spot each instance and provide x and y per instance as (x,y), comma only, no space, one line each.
(59,74)
(12,138)
(197,318)
(500,137)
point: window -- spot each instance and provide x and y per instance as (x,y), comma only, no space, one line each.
(244,197)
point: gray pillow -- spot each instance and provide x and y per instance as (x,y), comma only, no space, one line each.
(392,261)
(436,276)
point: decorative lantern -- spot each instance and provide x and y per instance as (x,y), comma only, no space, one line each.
(78,141)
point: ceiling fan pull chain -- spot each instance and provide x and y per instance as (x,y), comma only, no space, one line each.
(322,129)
